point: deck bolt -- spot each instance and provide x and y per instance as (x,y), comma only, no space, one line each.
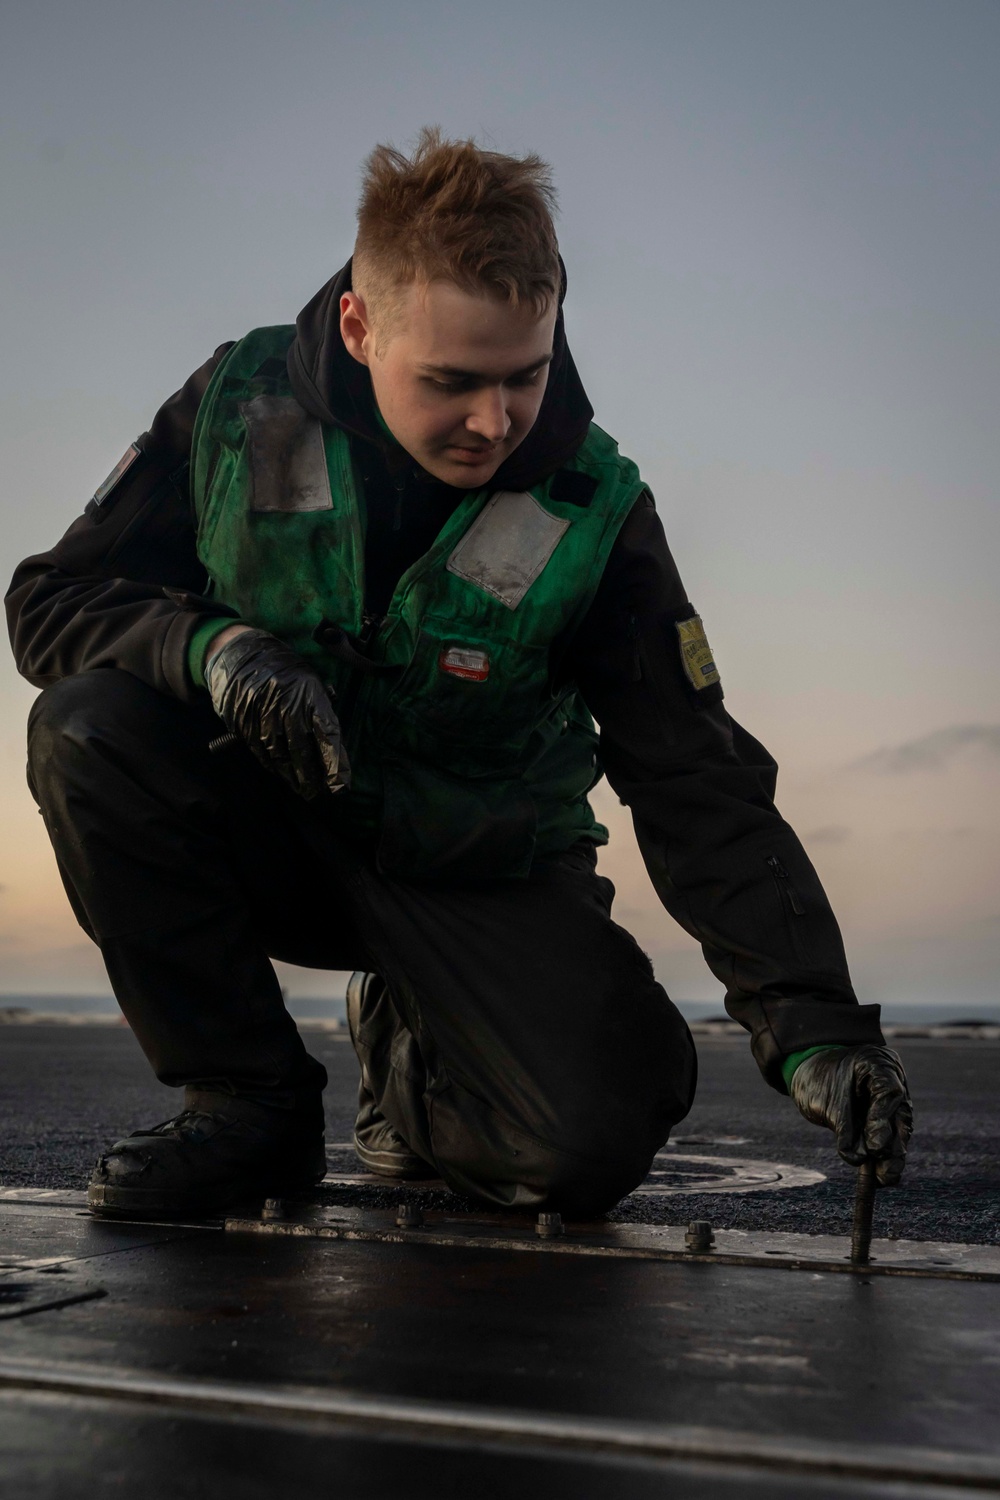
(409,1216)
(548,1226)
(274,1208)
(699,1237)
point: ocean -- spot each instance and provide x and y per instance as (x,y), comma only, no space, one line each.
(332,1009)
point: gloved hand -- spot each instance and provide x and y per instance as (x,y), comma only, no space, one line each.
(861,1094)
(281,709)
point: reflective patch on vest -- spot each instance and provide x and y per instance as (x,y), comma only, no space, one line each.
(287,458)
(696,653)
(462,661)
(507,546)
(118,473)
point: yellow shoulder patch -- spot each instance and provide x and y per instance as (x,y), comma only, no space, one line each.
(696,653)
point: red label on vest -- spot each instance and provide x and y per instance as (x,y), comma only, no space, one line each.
(474,666)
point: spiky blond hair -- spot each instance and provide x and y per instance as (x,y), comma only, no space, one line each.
(455,212)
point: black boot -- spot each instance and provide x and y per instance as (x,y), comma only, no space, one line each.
(219,1150)
(378,1145)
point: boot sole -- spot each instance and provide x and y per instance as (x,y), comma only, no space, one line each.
(109,1201)
(395,1166)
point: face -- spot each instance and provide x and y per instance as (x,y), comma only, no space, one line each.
(460,378)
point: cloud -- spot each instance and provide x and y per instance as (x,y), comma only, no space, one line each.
(833,833)
(932,752)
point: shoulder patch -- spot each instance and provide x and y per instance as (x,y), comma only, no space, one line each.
(696,654)
(287,457)
(570,487)
(507,546)
(121,468)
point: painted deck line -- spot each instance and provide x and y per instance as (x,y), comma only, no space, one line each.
(431,1421)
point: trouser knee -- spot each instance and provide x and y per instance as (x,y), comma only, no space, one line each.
(73,721)
(534,1176)
(56,720)
(481,1152)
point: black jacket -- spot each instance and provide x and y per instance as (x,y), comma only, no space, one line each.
(124,588)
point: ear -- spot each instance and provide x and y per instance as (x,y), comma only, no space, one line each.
(355,327)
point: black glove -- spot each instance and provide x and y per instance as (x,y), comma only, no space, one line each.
(861,1094)
(281,709)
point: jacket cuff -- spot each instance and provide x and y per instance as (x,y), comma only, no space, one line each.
(781,1027)
(198,644)
(790,1065)
(193,613)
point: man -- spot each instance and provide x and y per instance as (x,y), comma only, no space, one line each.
(389,550)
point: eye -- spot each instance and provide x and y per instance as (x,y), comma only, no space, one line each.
(462,387)
(452,387)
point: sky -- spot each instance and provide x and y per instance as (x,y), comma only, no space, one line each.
(781,222)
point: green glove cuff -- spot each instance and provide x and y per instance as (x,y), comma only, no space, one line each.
(793,1059)
(198,643)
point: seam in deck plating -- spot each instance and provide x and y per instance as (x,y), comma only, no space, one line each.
(429,1421)
(566,1246)
(775,1258)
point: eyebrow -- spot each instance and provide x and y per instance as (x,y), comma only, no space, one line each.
(452,372)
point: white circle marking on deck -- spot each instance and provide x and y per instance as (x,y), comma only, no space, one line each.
(673,1174)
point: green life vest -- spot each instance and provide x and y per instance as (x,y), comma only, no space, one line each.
(467,761)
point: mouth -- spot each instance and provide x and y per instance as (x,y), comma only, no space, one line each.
(470,455)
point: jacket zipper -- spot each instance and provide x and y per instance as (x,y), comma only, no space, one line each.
(370,627)
(783,882)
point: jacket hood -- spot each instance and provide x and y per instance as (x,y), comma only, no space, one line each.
(331,384)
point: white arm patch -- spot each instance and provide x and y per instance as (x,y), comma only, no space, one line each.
(507,546)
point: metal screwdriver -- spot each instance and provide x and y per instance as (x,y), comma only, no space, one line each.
(864,1210)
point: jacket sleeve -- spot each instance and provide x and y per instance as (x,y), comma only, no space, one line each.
(124,587)
(723,861)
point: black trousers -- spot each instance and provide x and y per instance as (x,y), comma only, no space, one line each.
(523,1047)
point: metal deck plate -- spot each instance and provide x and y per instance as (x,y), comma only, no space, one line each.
(73,1445)
(498,1232)
(452,1359)
(237,1363)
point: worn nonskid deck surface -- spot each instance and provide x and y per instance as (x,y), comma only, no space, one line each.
(318,1346)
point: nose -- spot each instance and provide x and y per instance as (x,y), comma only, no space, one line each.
(488,418)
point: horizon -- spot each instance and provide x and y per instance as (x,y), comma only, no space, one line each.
(305,1007)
